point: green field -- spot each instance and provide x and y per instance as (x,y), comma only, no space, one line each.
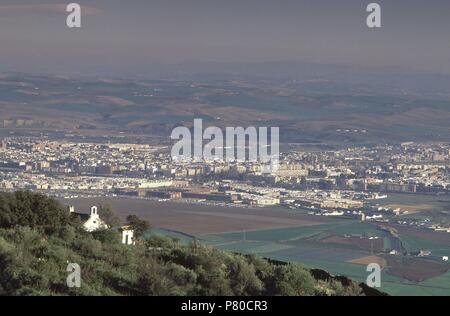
(302,244)
(282,234)
(434,202)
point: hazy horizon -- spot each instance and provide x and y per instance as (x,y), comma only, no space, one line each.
(140,36)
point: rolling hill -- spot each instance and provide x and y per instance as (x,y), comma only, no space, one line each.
(311,110)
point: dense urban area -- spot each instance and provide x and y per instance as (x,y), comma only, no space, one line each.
(343,183)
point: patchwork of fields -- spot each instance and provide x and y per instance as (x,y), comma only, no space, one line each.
(307,112)
(321,246)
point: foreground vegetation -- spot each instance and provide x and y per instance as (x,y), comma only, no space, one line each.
(38,238)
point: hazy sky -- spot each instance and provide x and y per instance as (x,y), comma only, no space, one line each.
(133,34)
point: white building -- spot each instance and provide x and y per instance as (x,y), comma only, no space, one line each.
(268,200)
(91,222)
(127,235)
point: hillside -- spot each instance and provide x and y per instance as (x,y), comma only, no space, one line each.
(38,239)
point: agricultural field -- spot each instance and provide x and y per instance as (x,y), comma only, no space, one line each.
(200,219)
(415,203)
(307,112)
(345,248)
(415,240)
